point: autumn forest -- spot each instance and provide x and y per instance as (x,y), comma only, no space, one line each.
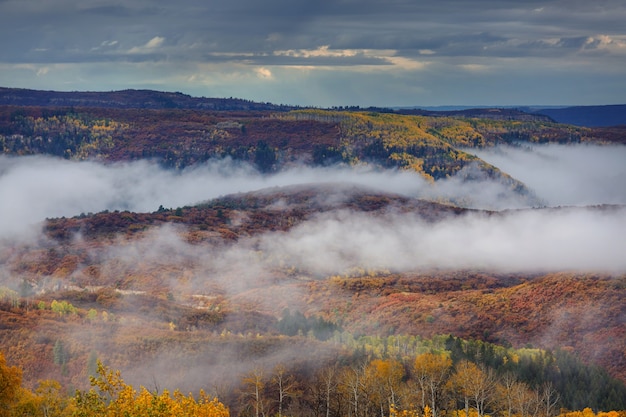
(168,255)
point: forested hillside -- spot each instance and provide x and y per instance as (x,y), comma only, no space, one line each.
(431,145)
(327,290)
(150,308)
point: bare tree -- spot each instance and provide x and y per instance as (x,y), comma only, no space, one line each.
(286,386)
(252,391)
(329,379)
(484,390)
(548,399)
(352,385)
(507,385)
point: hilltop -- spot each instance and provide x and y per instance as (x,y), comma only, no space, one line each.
(591,116)
(128,99)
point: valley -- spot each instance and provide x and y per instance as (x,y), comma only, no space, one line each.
(197,248)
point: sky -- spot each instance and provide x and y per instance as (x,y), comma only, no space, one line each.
(325,52)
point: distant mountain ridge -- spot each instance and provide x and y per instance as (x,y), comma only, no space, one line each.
(178,131)
(589,116)
(492,113)
(127,99)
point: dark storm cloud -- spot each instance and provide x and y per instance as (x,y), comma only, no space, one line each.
(202,47)
(230,26)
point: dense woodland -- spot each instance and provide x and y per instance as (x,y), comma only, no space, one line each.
(119,290)
(445,376)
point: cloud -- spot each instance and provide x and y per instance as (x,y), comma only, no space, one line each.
(105,45)
(149,46)
(264,73)
(42,71)
(528,240)
(41,187)
(474,67)
(589,40)
(611,44)
(565,175)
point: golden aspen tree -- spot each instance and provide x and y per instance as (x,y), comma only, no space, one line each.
(386,377)
(10,385)
(462,380)
(474,385)
(431,372)
(114,398)
(351,384)
(252,392)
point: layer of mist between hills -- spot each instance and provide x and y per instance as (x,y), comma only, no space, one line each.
(42,187)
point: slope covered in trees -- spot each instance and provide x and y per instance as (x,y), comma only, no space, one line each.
(386,376)
(100,287)
(431,145)
(308,300)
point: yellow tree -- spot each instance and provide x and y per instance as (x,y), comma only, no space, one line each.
(385,377)
(351,387)
(431,372)
(474,385)
(48,400)
(461,382)
(51,399)
(114,398)
(252,391)
(10,386)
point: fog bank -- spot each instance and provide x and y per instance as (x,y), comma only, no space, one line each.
(565,175)
(36,187)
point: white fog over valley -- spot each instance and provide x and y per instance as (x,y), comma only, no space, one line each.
(35,188)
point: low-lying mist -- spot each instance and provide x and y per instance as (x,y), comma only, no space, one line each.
(38,187)
(339,242)
(565,175)
(34,188)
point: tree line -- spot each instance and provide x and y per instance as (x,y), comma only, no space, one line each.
(429,384)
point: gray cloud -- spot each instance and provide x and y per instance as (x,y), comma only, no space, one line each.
(62,40)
